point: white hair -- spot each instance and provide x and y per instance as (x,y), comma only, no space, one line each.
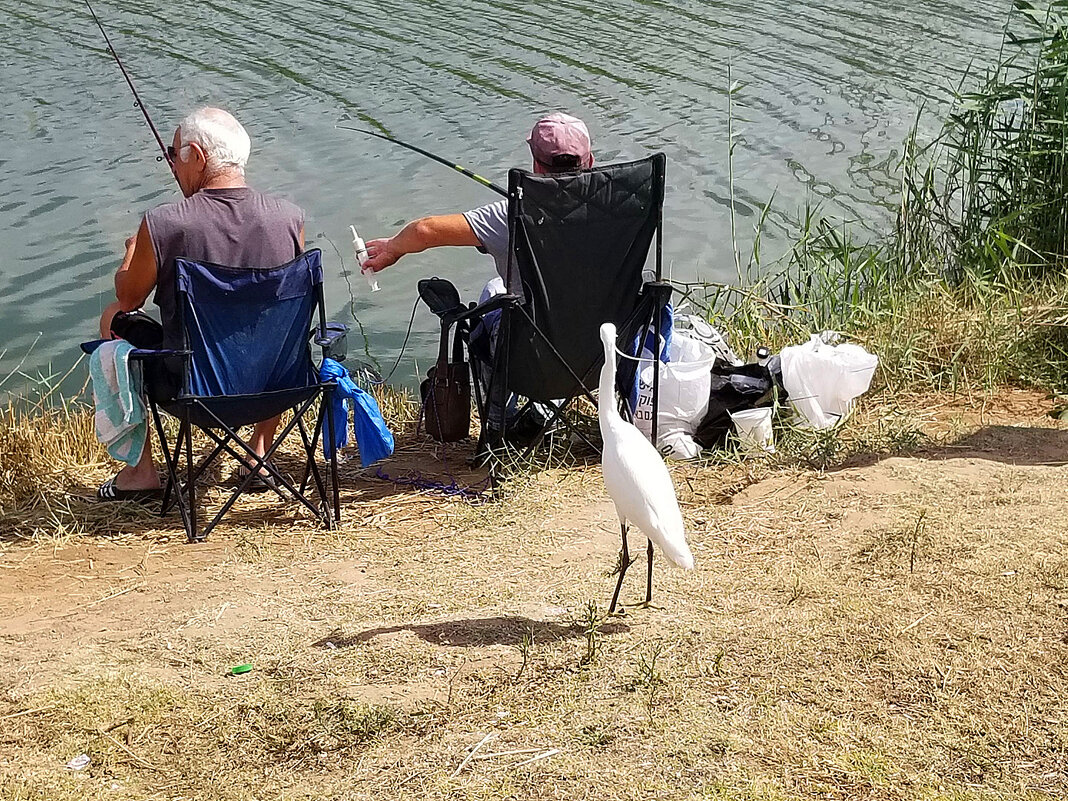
(225,142)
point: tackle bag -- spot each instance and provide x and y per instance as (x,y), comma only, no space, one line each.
(446,391)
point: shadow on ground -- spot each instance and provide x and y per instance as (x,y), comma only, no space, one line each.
(1024,446)
(473,632)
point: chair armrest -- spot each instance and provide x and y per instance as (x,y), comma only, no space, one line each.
(140,354)
(332,340)
(476,311)
(334,332)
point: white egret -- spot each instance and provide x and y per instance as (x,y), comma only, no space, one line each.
(637,479)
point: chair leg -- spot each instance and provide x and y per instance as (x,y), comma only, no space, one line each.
(177,490)
(312,469)
(257,462)
(190,484)
(498,388)
(170,460)
(558,414)
(335,486)
(320,424)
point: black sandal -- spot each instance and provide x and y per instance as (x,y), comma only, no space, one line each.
(261,482)
(109,493)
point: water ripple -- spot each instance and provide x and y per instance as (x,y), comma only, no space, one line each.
(828,91)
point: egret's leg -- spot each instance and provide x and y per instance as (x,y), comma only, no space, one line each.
(649,575)
(623,565)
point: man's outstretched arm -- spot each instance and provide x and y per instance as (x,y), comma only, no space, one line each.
(420,235)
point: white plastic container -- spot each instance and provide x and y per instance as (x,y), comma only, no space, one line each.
(684,388)
(359,250)
(753,430)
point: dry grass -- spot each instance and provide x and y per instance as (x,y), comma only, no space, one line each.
(860,625)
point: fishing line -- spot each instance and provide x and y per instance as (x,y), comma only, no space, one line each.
(165,156)
(460,169)
(363,333)
(352,302)
(404,345)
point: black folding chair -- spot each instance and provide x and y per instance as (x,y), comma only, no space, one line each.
(579,244)
(246,358)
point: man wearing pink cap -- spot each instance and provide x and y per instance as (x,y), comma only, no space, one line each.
(558,143)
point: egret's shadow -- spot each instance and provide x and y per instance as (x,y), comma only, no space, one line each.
(473,632)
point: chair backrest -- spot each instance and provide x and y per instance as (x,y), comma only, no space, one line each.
(579,242)
(247,329)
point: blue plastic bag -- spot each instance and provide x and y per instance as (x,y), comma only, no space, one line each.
(373,437)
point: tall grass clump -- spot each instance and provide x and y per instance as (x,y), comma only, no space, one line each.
(41,449)
(990,205)
(968,289)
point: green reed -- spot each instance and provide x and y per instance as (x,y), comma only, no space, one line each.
(968,287)
(987,204)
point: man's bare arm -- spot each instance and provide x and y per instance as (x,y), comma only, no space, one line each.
(136,277)
(417,236)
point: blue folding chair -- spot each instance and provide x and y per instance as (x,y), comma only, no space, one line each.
(246,357)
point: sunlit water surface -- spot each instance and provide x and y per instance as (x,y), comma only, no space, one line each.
(828,91)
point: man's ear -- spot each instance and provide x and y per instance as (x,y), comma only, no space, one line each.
(201,156)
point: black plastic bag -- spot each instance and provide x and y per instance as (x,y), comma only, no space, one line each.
(734,389)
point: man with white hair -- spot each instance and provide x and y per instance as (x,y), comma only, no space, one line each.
(221,220)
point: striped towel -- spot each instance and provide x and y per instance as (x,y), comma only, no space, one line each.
(120,413)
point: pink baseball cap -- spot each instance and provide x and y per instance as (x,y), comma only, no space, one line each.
(561,135)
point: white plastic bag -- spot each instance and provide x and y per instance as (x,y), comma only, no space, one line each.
(823,380)
(685,382)
(703,332)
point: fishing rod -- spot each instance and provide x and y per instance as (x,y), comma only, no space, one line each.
(460,169)
(137,98)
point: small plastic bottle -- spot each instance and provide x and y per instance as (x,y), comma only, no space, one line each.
(763,354)
(360,251)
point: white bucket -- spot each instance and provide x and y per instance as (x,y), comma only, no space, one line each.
(753,429)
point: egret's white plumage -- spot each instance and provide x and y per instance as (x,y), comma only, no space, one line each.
(634,472)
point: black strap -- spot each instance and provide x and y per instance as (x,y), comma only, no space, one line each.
(443,345)
(458,345)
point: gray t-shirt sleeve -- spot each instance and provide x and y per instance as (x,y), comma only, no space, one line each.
(490,224)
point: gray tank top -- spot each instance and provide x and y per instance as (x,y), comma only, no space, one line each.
(234,227)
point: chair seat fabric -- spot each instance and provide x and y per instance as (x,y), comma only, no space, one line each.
(247,332)
(580,244)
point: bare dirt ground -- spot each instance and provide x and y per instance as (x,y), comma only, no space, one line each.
(893,628)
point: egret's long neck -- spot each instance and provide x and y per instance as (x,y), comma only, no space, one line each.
(606,402)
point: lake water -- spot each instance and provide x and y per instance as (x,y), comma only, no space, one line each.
(828,91)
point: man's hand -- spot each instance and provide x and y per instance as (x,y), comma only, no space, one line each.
(381,255)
